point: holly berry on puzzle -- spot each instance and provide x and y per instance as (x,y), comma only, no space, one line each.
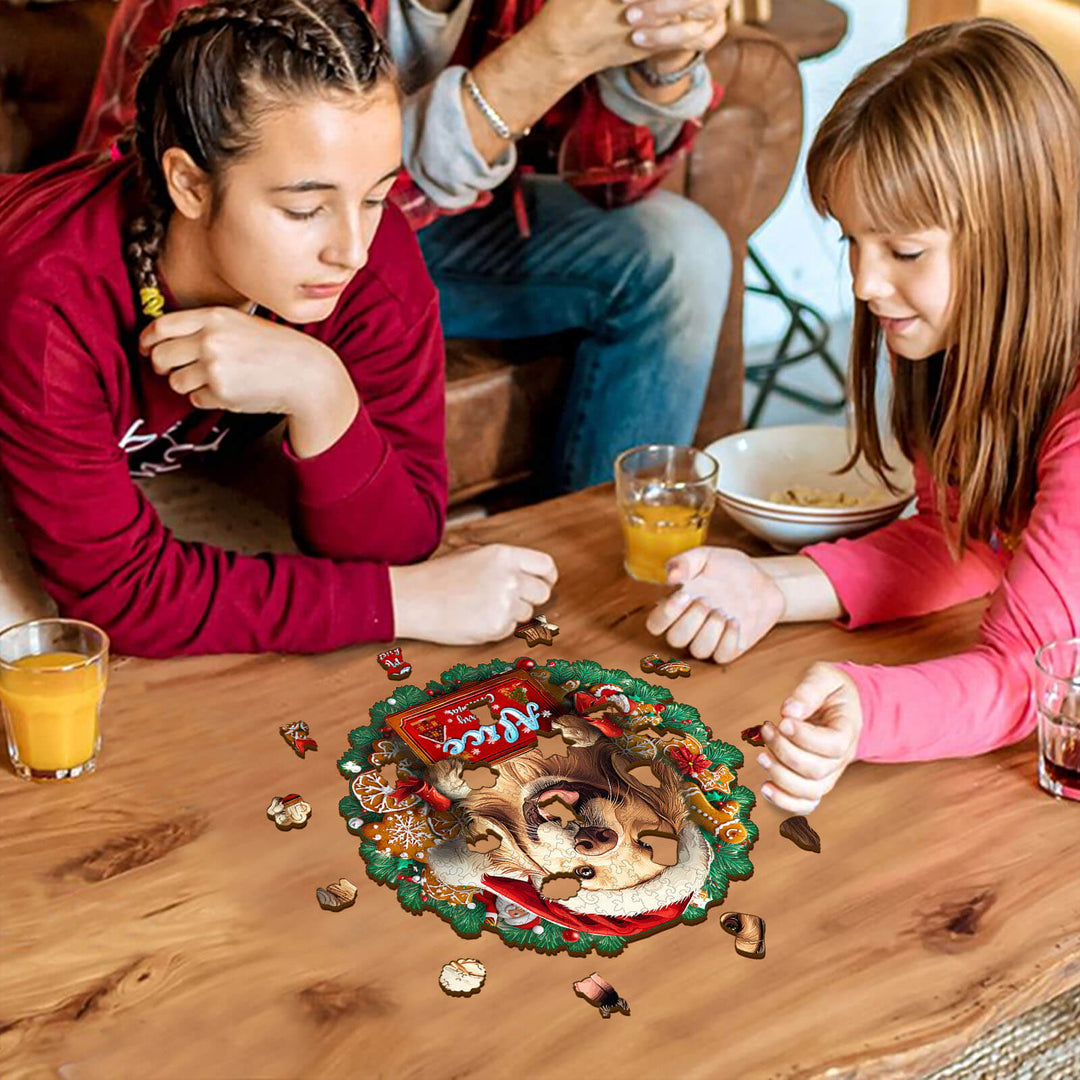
(395,666)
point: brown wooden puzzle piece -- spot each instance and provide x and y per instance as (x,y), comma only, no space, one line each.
(749,931)
(538,631)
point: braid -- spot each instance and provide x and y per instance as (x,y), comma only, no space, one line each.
(195,93)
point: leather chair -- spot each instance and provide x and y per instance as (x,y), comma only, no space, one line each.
(502,398)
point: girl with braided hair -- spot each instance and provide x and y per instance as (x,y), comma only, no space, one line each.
(236,268)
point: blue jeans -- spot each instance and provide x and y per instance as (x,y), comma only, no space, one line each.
(647,284)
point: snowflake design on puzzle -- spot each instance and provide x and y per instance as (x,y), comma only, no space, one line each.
(408,832)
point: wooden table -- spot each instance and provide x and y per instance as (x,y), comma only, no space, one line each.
(155,924)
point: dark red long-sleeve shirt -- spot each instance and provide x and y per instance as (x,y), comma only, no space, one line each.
(81,412)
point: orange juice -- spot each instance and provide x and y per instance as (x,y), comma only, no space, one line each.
(654,534)
(51,714)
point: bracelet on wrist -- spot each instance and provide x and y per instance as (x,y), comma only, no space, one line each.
(667,78)
(488,112)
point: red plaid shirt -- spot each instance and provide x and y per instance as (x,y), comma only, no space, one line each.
(607,159)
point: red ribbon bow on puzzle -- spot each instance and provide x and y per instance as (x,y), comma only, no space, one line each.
(414,785)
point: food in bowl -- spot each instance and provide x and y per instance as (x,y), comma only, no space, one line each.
(801,495)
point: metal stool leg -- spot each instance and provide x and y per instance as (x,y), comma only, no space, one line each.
(802,319)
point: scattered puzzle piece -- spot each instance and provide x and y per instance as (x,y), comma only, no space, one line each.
(560,887)
(665,847)
(463,977)
(395,665)
(479,776)
(602,994)
(296,735)
(289,812)
(752,735)
(799,831)
(669,669)
(340,894)
(749,931)
(537,631)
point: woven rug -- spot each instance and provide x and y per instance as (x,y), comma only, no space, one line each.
(1043,1044)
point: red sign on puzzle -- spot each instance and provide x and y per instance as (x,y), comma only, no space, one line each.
(486,721)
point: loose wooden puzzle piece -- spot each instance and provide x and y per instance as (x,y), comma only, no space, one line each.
(289,812)
(602,994)
(749,931)
(799,831)
(462,977)
(560,887)
(296,735)
(339,894)
(752,735)
(665,847)
(479,776)
(538,631)
(669,669)
(395,665)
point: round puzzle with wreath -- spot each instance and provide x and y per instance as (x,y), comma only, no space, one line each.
(592,768)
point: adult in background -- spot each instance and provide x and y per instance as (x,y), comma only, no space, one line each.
(536,133)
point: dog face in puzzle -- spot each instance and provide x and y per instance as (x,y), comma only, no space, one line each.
(605,844)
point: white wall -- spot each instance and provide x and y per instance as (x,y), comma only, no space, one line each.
(802,250)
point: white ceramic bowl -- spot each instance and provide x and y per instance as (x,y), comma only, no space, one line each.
(756,464)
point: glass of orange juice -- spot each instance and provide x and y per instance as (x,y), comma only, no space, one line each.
(52,680)
(666,495)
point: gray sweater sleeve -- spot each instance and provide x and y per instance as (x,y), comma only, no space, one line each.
(664,121)
(438,146)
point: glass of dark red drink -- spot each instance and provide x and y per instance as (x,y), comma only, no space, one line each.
(1057,698)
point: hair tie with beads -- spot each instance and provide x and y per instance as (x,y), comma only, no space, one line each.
(152,300)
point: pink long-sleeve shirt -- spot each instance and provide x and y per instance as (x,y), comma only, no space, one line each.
(980,699)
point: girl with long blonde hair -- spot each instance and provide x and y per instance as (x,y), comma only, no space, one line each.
(952,166)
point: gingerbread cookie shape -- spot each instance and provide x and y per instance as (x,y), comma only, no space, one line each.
(406,835)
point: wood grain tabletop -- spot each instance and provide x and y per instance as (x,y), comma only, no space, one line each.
(155,924)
